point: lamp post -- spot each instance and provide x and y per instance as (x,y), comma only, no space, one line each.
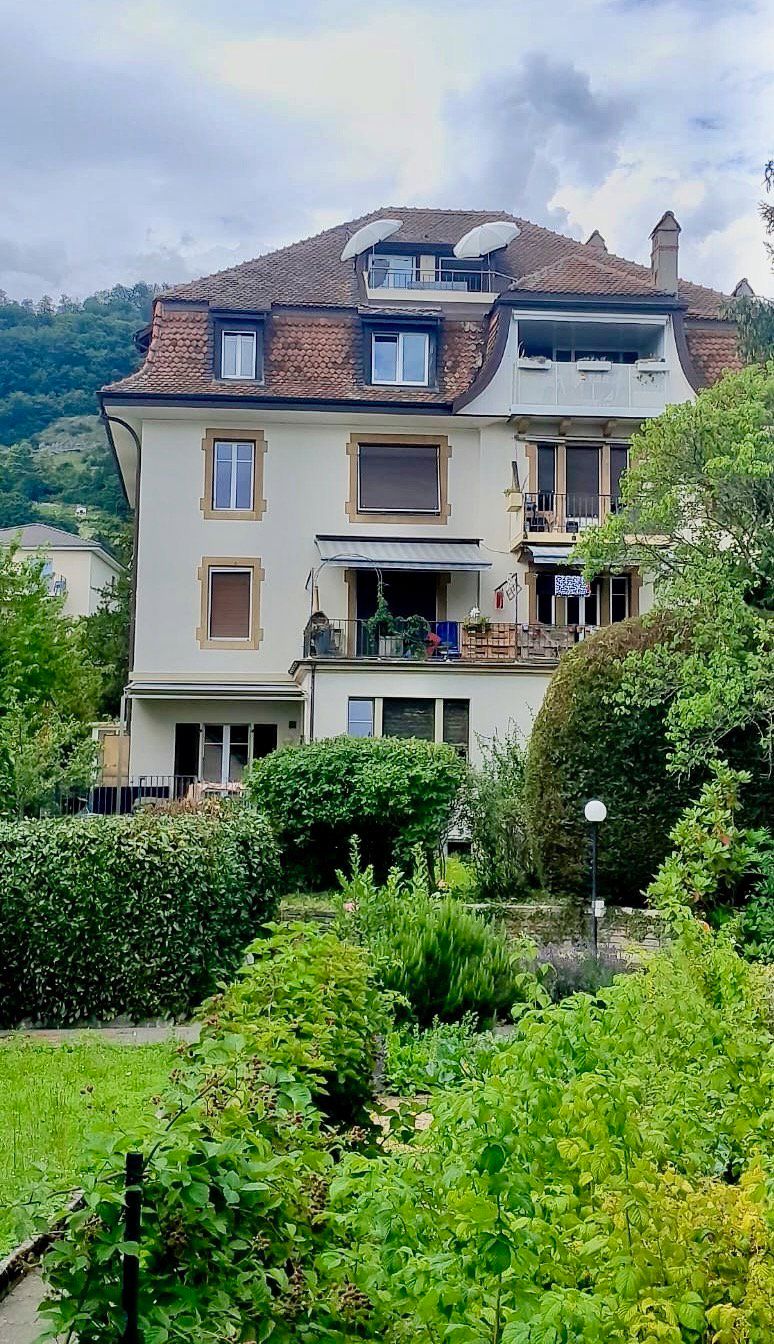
(595,812)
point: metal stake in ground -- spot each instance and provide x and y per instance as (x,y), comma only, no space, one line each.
(131,1265)
(595,812)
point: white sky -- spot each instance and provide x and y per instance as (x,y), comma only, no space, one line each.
(162,139)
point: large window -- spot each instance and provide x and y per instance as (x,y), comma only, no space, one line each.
(398,478)
(619,597)
(393,271)
(409,718)
(238,355)
(225,752)
(234,470)
(400,357)
(456,724)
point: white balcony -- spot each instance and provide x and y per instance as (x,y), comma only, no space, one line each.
(586,386)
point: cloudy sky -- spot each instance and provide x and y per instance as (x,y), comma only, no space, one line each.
(163,139)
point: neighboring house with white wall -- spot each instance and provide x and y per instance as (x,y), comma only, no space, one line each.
(77,569)
(435,416)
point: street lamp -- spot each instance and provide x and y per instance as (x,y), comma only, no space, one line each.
(595,812)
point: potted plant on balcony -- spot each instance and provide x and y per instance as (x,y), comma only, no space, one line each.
(475,623)
(416,632)
(382,631)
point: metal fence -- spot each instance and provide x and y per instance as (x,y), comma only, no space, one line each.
(124,796)
(414,639)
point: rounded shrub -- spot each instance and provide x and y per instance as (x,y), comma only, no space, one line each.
(582,748)
(128,916)
(586,743)
(391,793)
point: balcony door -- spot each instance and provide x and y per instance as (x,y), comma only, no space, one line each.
(582,484)
(408,593)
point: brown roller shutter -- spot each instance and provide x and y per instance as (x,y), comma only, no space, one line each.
(230,591)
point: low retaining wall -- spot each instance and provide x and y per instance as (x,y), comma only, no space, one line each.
(568,928)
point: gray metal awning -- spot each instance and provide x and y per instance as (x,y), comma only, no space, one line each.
(386,553)
(550,555)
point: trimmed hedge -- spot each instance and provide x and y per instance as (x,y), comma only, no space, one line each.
(128,916)
(583,746)
(392,793)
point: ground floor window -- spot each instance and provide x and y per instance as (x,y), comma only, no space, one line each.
(428,718)
(619,597)
(219,753)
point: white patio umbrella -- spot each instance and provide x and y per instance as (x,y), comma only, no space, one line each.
(486,238)
(369,235)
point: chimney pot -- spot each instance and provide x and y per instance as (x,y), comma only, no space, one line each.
(664,245)
(596,242)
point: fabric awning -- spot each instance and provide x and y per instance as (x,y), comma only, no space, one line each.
(550,555)
(387,553)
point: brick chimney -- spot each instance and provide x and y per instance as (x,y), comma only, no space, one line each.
(743,290)
(596,242)
(664,243)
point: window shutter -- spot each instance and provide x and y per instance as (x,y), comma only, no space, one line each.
(230,593)
(409,718)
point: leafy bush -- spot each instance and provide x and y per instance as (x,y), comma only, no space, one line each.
(237,1160)
(442,1056)
(441,959)
(106,916)
(711,853)
(496,811)
(605,1183)
(391,793)
(591,741)
(754,926)
(309,1004)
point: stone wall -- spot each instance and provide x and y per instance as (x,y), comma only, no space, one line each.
(568,928)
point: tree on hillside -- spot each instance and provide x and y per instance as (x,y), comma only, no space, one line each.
(698,514)
(754,316)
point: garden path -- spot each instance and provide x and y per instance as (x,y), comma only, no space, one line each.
(19,1321)
(167,1031)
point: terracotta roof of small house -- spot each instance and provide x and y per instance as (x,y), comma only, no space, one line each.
(318,354)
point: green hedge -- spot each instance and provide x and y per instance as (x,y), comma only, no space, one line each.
(587,744)
(139,916)
(390,792)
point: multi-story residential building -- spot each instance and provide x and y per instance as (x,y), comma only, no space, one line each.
(417,410)
(77,569)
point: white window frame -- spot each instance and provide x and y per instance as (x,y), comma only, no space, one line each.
(230,569)
(399,380)
(239,376)
(225,750)
(361,700)
(233,445)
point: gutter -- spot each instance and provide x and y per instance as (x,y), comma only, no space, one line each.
(210,399)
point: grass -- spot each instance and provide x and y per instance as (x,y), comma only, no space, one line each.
(50,1097)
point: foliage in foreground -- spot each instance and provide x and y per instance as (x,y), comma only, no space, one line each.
(106,916)
(50,1096)
(442,960)
(497,815)
(392,793)
(238,1160)
(601,1180)
(442,1055)
(604,1184)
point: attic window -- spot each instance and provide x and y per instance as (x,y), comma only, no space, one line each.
(400,357)
(238,350)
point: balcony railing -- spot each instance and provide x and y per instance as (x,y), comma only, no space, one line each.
(445,278)
(140,791)
(439,642)
(592,384)
(547,511)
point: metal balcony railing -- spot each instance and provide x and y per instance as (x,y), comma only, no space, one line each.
(547,511)
(139,791)
(448,278)
(414,639)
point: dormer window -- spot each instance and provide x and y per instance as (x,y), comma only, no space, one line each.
(238,349)
(237,354)
(400,358)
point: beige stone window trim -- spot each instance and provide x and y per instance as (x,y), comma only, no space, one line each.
(258,440)
(210,562)
(439,441)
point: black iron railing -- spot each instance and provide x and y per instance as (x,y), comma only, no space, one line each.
(547,511)
(444,277)
(413,639)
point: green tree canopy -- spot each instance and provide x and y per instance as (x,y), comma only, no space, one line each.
(698,516)
(754,316)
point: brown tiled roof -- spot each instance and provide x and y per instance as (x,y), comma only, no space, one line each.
(308,355)
(713,349)
(318,354)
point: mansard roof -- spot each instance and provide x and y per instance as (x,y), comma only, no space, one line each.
(314,336)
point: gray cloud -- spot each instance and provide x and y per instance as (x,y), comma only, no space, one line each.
(529,129)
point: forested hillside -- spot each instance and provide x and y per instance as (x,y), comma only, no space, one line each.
(54,458)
